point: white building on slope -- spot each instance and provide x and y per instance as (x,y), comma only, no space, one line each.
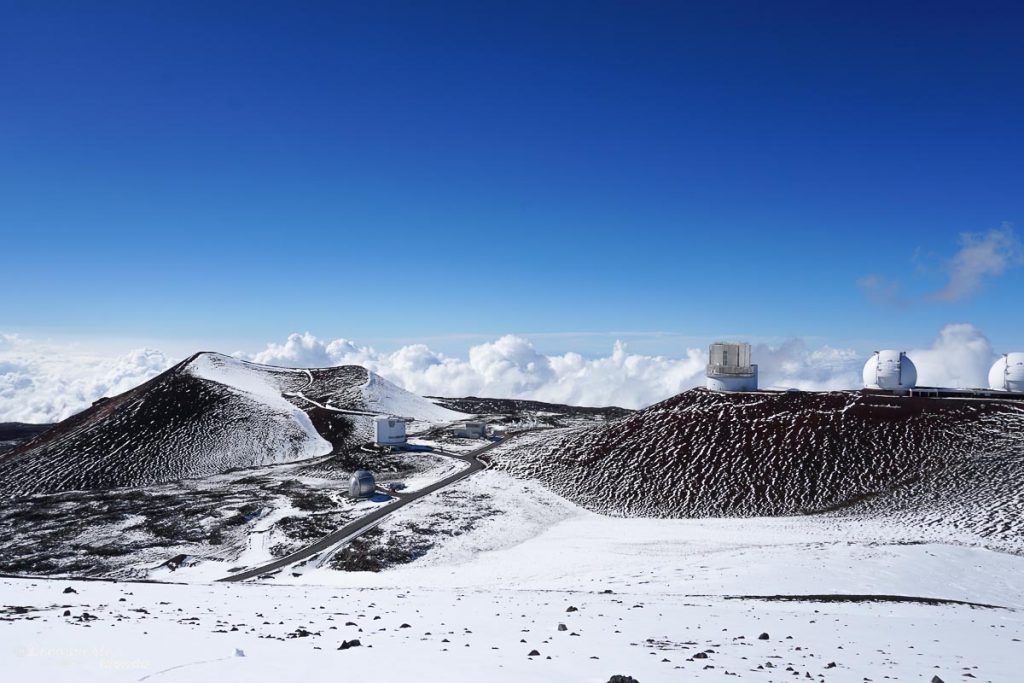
(469,430)
(389,431)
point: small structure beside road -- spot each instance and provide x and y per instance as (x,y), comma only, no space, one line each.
(389,431)
(362,484)
(469,430)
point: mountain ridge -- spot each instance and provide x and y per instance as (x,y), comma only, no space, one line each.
(204,415)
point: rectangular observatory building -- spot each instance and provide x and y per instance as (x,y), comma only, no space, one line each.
(730,367)
(469,430)
(389,431)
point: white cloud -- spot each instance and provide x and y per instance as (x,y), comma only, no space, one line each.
(794,365)
(960,357)
(980,256)
(881,290)
(44,382)
(511,367)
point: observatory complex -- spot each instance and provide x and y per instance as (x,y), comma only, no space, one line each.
(890,370)
(1007,374)
(729,367)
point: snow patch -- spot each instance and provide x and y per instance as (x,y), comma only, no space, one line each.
(249,381)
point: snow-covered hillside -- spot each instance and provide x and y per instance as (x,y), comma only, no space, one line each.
(382,396)
(498,577)
(206,415)
(709,454)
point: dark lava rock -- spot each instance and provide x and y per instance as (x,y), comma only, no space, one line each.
(753,454)
(175,562)
(346,644)
(533,653)
(405,626)
(763,636)
(618,678)
(69,589)
(563,627)
(175,426)
(936,679)
(570,608)
(700,655)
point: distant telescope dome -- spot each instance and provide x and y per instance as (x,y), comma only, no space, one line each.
(362,484)
(890,370)
(1008,373)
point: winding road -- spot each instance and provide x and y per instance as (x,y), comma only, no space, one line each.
(360,526)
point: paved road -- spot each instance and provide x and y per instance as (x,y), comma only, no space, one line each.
(365,523)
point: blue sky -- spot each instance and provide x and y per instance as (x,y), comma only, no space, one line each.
(208,175)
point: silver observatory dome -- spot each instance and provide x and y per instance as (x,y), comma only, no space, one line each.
(362,484)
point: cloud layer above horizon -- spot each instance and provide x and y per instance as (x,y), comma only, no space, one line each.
(43,382)
(46,382)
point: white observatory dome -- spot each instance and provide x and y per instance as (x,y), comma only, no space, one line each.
(1008,373)
(890,370)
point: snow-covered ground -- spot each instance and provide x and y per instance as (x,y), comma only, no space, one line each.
(530,538)
(255,633)
(435,467)
(650,597)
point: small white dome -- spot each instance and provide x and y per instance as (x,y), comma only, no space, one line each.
(1007,374)
(891,370)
